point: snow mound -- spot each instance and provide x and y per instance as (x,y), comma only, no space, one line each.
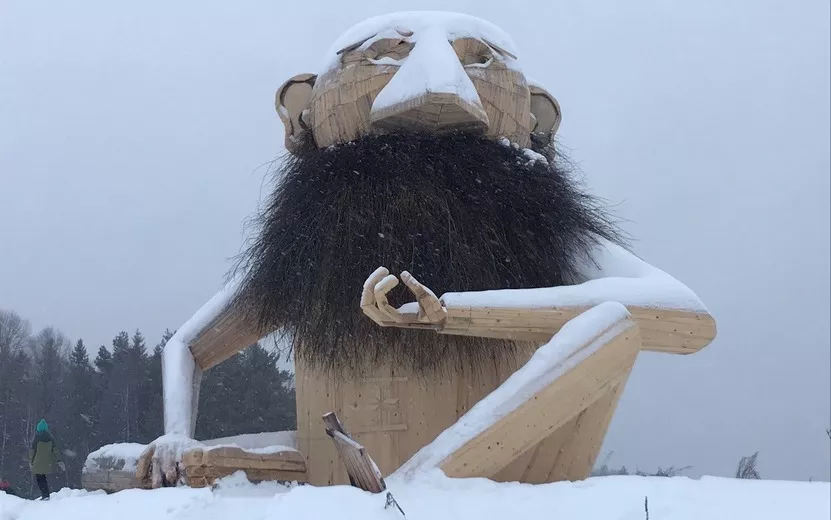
(436,497)
(120,456)
(266,442)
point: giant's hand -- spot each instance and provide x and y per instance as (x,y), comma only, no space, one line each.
(160,463)
(431,314)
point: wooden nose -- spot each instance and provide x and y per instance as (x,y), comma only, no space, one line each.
(432,112)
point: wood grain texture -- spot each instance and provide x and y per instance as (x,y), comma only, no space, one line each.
(225,336)
(550,409)
(203,466)
(342,98)
(362,470)
(662,330)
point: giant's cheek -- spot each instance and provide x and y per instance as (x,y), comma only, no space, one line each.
(342,100)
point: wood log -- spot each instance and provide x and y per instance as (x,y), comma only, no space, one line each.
(203,467)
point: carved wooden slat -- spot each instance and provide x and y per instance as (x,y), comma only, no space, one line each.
(362,470)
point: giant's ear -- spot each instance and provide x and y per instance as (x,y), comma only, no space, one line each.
(545,115)
(292,103)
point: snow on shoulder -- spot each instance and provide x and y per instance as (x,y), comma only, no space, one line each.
(566,350)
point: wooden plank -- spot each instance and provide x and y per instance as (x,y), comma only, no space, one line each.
(579,452)
(362,470)
(549,409)
(223,337)
(662,330)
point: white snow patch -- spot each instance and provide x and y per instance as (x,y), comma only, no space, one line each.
(448,25)
(619,276)
(431,67)
(549,362)
(286,440)
(435,497)
(112,456)
(530,154)
(178,366)
(533,156)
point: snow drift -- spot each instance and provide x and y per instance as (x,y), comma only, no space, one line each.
(435,497)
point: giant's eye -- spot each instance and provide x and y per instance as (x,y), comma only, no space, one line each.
(472,51)
(394,48)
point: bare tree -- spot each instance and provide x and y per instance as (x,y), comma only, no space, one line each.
(14,331)
(747,467)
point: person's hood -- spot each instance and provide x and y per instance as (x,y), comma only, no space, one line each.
(42,426)
(43,436)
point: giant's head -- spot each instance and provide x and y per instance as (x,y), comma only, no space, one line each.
(420,146)
(431,72)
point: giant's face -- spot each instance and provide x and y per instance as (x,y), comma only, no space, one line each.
(432,72)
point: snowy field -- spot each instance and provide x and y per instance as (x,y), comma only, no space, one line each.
(435,497)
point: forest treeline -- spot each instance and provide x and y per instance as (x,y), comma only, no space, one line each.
(116,396)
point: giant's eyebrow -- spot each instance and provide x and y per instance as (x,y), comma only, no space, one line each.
(499,49)
(351,47)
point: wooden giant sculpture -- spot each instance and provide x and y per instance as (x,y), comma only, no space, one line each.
(422,147)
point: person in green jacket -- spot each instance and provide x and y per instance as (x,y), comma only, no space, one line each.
(43,456)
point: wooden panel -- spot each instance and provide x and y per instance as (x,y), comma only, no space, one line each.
(111,480)
(548,410)
(390,413)
(203,467)
(670,331)
(226,335)
(579,452)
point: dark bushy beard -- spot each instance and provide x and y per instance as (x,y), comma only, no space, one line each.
(461,213)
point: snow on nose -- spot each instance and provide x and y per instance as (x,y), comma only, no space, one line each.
(430,90)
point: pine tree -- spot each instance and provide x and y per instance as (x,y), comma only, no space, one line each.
(154,419)
(48,368)
(247,393)
(106,405)
(81,413)
(14,364)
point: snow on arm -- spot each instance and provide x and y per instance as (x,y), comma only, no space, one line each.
(618,276)
(178,366)
(564,351)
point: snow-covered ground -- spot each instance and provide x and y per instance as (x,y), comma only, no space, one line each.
(434,497)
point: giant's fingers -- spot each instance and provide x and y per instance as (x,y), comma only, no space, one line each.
(387,284)
(428,303)
(368,296)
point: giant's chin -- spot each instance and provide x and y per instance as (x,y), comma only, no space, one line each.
(464,212)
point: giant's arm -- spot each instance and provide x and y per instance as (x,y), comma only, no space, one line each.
(671,316)
(215,333)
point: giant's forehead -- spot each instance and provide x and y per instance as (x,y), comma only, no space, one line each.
(454,25)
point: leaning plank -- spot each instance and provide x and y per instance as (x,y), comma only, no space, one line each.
(581,364)
(362,470)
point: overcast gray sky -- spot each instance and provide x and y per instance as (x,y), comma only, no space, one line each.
(131,137)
